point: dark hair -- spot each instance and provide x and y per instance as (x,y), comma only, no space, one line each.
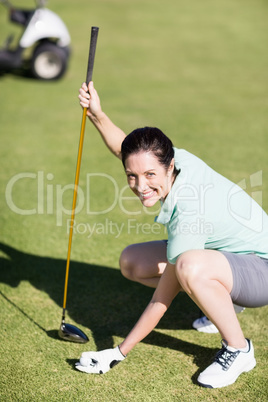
(149,139)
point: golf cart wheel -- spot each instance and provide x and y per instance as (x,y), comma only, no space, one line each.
(49,61)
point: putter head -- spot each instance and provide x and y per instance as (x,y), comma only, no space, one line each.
(71,333)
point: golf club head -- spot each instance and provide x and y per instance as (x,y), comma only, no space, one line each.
(71,333)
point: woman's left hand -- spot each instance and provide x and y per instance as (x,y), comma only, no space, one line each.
(99,362)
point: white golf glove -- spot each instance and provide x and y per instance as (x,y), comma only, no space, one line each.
(99,362)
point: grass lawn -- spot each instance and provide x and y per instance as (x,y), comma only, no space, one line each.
(198,70)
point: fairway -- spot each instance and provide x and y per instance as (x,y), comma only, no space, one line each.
(198,71)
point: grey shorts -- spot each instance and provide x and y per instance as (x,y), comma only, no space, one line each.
(250,279)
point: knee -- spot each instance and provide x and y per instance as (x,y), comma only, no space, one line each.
(189,270)
(128,263)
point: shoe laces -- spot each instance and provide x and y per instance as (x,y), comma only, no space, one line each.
(226,357)
(204,320)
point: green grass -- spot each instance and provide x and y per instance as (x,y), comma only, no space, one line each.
(198,70)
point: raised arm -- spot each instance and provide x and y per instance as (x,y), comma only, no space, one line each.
(112,135)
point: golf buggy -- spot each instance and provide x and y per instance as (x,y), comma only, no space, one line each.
(43,49)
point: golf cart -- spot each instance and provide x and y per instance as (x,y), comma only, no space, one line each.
(43,49)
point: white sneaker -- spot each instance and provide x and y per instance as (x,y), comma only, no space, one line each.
(238,309)
(203,324)
(229,363)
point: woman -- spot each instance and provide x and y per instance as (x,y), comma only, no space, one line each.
(217,250)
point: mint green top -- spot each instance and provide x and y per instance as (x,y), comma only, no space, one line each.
(204,210)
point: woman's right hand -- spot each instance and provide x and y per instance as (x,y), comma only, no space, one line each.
(112,135)
(89,98)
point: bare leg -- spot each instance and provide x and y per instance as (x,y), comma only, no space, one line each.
(144,262)
(207,278)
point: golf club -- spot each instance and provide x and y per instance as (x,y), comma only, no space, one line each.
(70,332)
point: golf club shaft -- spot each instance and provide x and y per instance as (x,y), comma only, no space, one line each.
(92,50)
(79,158)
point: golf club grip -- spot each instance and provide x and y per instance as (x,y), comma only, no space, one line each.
(92,50)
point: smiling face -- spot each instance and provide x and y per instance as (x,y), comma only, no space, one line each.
(147,178)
